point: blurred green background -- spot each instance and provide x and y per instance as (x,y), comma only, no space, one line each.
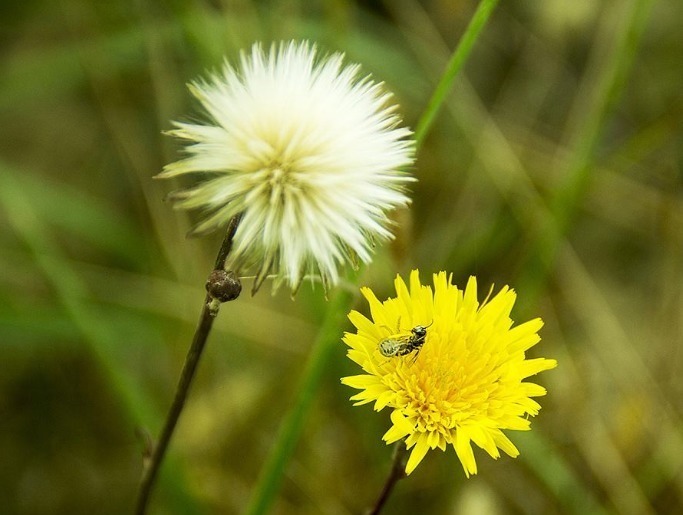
(567,110)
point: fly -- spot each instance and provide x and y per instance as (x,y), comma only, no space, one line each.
(402,344)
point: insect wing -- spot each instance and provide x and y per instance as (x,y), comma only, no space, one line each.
(394,345)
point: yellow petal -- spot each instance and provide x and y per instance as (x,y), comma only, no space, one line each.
(419,451)
(361,381)
(361,322)
(400,428)
(464,451)
(505,444)
(483,439)
(524,336)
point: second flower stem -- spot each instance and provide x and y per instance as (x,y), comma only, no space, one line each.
(398,471)
(209,312)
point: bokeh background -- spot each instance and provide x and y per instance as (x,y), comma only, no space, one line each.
(554,167)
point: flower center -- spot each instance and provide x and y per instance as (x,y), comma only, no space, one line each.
(438,397)
(279,176)
(281,182)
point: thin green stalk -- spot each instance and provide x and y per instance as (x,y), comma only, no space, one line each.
(283,448)
(458,59)
(605,89)
(557,475)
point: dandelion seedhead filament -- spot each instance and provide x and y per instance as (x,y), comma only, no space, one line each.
(465,383)
(309,151)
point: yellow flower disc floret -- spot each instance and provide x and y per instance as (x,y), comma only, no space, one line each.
(465,383)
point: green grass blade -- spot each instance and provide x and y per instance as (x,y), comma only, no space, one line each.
(72,294)
(458,59)
(606,89)
(283,448)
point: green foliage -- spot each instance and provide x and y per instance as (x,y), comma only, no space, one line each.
(553,166)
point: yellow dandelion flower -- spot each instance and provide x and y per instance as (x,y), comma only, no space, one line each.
(451,368)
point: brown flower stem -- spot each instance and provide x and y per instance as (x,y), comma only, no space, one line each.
(221,287)
(398,471)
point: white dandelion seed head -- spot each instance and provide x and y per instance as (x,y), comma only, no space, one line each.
(311,153)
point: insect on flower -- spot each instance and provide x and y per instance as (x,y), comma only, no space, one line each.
(470,385)
(402,344)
